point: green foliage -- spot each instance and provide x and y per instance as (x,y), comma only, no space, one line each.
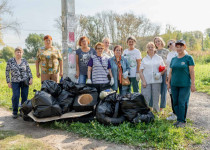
(33,43)
(7,53)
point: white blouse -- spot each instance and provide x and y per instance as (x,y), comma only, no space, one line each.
(150,66)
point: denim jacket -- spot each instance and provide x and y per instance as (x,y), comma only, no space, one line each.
(114,68)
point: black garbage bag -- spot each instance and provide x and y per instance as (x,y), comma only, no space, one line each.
(47,111)
(132,104)
(107,111)
(147,118)
(65,101)
(42,98)
(26,107)
(51,87)
(87,89)
(72,87)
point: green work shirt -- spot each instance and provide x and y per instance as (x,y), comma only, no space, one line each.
(180,75)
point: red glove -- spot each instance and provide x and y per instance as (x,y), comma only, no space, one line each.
(161,68)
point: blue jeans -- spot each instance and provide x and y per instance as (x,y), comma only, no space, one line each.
(82,79)
(16,87)
(163,91)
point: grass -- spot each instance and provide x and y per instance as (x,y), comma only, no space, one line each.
(159,135)
(13,141)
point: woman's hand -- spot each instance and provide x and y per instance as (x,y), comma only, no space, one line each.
(168,86)
(9,85)
(77,75)
(193,89)
(38,74)
(61,74)
(144,84)
(31,81)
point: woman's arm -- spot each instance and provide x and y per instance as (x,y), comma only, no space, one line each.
(169,79)
(110,73)
(89,72)
(77,67)
(138,65)
(7,75)
(37,68)
(61,67)
(28,69)
(192,76)
(144,83)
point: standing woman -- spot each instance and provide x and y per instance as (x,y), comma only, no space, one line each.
(50,60)
(133,56)
(181,80)
(107,52)
(19,70)
(83,55)
(99,67)
(120,68)
(151,77)
(162,52)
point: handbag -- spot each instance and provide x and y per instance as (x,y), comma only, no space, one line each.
(125,81)
(26,82)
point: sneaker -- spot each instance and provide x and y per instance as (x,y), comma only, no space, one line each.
(181,125)
(15,116)
(176,123)
(172,117)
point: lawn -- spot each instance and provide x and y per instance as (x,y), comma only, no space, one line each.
(160,134)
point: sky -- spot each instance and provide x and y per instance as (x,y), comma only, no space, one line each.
(37,16)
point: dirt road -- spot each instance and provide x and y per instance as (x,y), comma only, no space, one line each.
(199,112)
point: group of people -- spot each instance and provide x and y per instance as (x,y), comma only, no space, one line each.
(101,67)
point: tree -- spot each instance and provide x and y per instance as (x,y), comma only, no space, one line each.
(33,43)
(7,53)
(5,24)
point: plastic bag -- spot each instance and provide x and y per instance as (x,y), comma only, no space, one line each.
(132,104)
(47,111)
(65,101)
(42,98)
(147,118)
(51,87)
(26,107)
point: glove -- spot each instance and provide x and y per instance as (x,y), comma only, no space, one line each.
(125,74)
(112,81)
(137,76)
(157,75)
(89,81)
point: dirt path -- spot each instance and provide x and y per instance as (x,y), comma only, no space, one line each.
(199,112)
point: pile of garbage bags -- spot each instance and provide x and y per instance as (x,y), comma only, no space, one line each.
(56,99)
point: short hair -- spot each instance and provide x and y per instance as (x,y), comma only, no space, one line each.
(105,38)
(46,37)
(82,38)
(161,39)
(119,47)
(131,38)
(170,41)
(18,49)
(151,43)
(99,43)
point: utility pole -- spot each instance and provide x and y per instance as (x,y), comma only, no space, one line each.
(68,38)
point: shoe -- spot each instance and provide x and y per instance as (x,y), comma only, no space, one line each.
(15,116)
(181,125)
(176,123)
(172,117)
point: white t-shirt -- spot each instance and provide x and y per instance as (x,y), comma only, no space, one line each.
(171,55)
(150,66)
(132,56)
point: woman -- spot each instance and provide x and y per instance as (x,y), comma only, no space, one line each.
(107,52)
(120,68)
(181,80)
(151,77)
(83,55)
(19,70)
(162,52)
(133,56)
(50,60)
(99,67)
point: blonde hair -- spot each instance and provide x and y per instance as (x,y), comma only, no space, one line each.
(162,41)
(99,43)
(151,43)
(105,38)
